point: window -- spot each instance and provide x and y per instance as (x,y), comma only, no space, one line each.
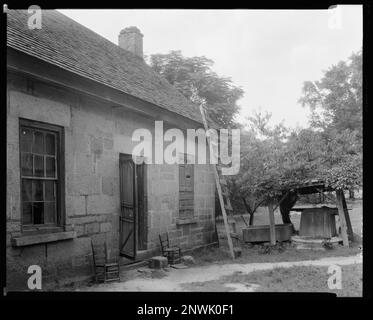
(186,189)
(40,158)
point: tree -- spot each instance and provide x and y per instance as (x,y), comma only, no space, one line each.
(336,109)
(184,73)
(273,160)
(262,152)
(336,100)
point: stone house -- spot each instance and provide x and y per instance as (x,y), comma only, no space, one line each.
(73,102)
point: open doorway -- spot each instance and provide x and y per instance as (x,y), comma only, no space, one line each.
(133,206)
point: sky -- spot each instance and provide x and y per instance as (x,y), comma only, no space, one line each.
(268,53)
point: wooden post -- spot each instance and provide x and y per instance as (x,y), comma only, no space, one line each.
(342,217)
(348,221)
(272,229)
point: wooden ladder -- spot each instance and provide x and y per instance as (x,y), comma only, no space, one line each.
(223,192)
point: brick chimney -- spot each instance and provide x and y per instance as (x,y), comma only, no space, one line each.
(130,39)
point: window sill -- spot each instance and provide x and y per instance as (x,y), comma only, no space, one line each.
(42,238)
(181,221)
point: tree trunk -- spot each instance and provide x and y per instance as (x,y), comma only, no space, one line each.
(249,211)
(251,220)
(351,194)
(285,207)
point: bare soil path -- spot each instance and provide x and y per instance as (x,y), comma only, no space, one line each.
(178,279)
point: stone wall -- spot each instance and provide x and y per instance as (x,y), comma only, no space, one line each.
(163,213)
(95,134)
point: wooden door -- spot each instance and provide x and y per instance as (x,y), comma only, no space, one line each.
(128,206)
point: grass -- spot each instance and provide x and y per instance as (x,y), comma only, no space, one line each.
(287,252)
(293,279)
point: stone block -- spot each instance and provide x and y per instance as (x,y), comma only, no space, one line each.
(65,250)
(158,262)
(105,227)
(102,204)
(75,205)
(92,228)
(237,252)
(108,143)
(108,185)
(97,145)
(188,260)
(79,184)
(40,109)
(79,162)
(80,230)
(167,176)
(186,229)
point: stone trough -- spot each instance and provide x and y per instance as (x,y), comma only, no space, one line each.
(261,233)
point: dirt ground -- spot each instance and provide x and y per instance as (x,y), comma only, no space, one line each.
(215,277)
(282,269)
(287,279)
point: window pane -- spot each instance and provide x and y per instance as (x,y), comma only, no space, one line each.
(49,144)
(39,163)
(26,164)
(38,212)
(50,167)
(27,212)
(49,190)
(26,140)
(38,146)
(37,189)
(26,190)
(39,166)
(49,212)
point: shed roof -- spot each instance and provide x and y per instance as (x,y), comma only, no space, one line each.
(310,186)
(69,45)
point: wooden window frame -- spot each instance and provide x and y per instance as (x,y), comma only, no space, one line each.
(59,225)
(191,214)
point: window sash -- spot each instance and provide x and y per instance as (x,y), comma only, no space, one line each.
(186,189)
(51,209)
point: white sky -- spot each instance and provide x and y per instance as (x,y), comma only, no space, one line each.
(269,53)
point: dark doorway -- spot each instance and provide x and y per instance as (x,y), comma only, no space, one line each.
(133,200)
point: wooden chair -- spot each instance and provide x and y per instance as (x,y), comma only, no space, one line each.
(173,254)
(105,270)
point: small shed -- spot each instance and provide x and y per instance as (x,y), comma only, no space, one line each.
(319,222)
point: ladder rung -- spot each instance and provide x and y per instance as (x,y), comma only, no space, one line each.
(112,272)
(112,264)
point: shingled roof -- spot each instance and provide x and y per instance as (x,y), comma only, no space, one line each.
(67,44)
